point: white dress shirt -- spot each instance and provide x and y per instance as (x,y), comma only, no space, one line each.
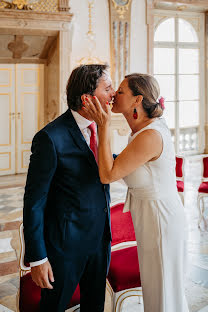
(83,125)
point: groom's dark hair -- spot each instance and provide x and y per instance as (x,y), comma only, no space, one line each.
(83,80)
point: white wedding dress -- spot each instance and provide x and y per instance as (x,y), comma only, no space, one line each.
(158,217)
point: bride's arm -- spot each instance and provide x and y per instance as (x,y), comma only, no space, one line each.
(146,146)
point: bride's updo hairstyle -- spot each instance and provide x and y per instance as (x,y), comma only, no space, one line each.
(147,86)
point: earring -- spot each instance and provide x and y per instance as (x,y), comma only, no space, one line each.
(135,115)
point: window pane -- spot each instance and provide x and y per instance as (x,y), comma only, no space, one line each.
(188,61)
(166,31)
(164,61)
(167,86)
(186,31)
(188,87)
(169,114)
(188,114)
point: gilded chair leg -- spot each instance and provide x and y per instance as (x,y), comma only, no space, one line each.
(17,300)
(182,199)
(199,208)
(203,209)
(116,306)
(114,303)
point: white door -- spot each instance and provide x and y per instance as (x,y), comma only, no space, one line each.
(7,119)
(29,86)
(21,107)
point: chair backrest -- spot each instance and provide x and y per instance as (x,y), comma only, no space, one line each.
(29,294)
(121,225)
(24,266)
(179,168)
(205,168)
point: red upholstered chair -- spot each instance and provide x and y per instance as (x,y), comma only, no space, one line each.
(29,293)
(180,161)
(122,227)
(203,188)
(123,279)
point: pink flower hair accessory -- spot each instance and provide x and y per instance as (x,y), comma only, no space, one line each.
(162,102)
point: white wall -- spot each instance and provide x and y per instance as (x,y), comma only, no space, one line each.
(100,26)
(138,55)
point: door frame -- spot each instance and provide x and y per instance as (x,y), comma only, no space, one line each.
(15,22)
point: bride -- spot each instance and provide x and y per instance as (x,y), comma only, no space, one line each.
(147,165)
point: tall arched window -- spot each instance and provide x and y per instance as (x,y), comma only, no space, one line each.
(179,67)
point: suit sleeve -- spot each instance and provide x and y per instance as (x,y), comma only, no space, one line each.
(43,163)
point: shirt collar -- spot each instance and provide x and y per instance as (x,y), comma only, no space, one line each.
(82,122)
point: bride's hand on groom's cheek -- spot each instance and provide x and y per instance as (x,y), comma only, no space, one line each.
(93,108)
(90,106)
(96,111)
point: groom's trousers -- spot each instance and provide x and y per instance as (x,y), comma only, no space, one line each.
(89,271)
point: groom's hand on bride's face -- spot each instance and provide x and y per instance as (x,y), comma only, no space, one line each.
(42,275)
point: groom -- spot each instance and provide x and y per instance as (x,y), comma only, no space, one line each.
(66,208)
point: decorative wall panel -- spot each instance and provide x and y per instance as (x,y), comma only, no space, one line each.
(46,6)
(120,17)
(41,6)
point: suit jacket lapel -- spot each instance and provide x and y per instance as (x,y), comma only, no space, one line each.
(79,139)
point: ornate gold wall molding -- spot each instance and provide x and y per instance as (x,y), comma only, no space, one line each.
(120,20)
(36,5)
(64,5)
(17,4)
(121,7)
(46,6)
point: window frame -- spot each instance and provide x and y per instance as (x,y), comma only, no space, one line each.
(197,20)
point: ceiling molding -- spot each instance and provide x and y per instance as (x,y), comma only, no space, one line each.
(188,2)
(21,61)
(31,15)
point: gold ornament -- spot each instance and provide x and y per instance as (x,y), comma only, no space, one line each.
(20,3)
(121,7)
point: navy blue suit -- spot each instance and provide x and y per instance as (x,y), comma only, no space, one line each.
(66,215)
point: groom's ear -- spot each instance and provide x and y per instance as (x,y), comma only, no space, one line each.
(83,97)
